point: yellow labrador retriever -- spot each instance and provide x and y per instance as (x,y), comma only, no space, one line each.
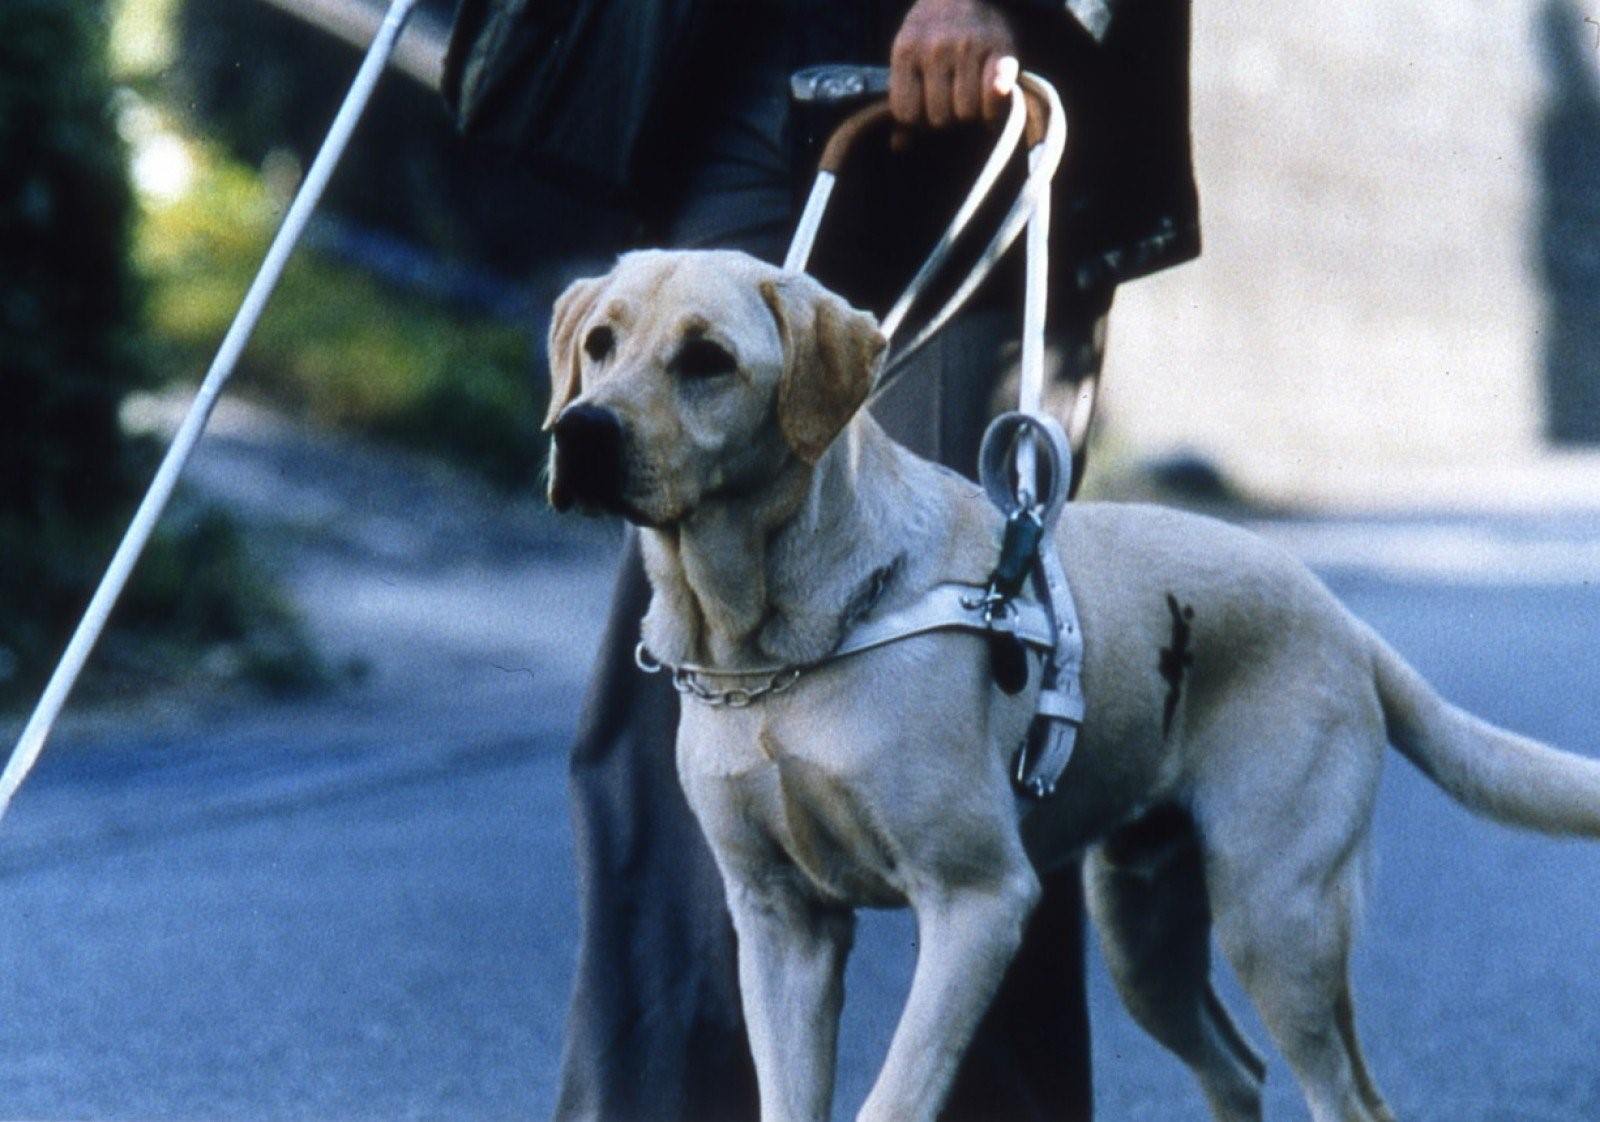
(1225,775)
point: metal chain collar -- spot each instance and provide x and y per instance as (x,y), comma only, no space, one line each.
(694,681)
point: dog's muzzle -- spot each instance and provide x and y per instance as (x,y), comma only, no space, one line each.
(587,470)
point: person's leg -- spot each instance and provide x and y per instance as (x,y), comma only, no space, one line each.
(654,1030)
(1076,354)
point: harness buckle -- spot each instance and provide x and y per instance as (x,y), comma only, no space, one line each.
(995,606)
(1019,550)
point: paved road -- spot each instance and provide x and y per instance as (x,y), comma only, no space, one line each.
(360,907)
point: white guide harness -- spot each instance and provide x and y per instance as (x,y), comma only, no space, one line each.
(1025,464)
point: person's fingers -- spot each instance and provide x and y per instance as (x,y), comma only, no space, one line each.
(999,79)
(950,65)
(966,95)
(905,83)
(938,82)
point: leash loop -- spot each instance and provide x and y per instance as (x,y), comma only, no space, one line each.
(1000,473)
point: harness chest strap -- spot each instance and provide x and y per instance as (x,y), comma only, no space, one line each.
(1048,625)
(951,607)
(945,607)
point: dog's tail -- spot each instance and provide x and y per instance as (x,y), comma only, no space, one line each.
(1512,778)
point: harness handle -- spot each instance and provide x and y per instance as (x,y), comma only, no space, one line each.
(844,137)
(1030,211)
(1036,115)
(1026,461)
(1032,115)
(864,120)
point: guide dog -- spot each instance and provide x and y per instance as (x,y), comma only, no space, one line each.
(1225,775)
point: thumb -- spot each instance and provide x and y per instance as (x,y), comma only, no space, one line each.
(1003,72)
(999,80)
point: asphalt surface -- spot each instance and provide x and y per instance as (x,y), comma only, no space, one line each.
(361,907)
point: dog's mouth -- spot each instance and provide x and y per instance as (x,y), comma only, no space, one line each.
(592,504)
(593,471)
(614,508)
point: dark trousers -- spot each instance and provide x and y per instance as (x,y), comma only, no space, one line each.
(655,1029)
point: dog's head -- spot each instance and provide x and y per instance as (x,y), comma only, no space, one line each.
(680,377)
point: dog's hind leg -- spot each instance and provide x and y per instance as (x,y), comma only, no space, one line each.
(1345,1012)
(1289,941)
(1146,892)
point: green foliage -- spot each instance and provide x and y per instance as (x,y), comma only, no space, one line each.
(97,297)
(335,346)
(202,588)
(199,607)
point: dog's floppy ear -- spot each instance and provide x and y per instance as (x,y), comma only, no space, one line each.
(830,353)
(572,308)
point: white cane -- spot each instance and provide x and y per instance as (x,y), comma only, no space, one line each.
(37,731)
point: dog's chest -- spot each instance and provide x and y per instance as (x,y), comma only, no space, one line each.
(827,827)
(798,804)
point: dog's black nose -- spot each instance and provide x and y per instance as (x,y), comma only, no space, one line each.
(588,458)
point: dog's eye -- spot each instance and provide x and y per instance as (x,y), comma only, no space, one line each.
(598,343)
(701,358)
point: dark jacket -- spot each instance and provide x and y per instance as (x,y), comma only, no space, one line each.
(527,72)
(1126,203)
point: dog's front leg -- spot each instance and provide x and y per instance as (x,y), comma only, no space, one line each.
(969,935)
(792,951)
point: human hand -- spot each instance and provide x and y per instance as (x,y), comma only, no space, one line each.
(952,60)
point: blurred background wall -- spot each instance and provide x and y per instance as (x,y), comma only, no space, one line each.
(1399,298)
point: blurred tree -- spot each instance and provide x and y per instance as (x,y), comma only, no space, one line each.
(70,352)
(67,301)
(67,313)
